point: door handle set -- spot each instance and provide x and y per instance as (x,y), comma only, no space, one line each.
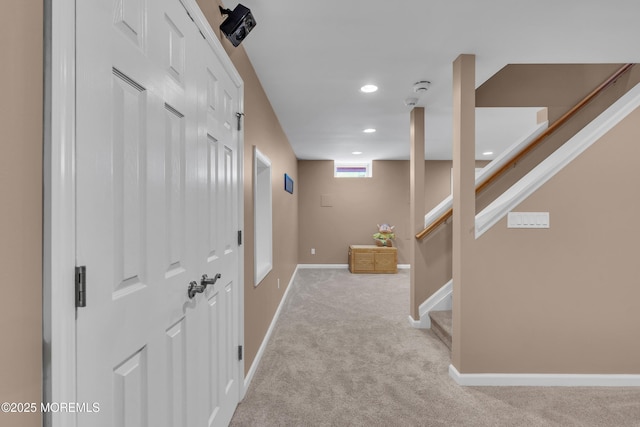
(195,288)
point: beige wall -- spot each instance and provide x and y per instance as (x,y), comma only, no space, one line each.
(564,299)
(557,86)
(359,204)
(21,74)
(262,129)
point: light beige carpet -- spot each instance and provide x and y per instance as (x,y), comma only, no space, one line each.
(343,354)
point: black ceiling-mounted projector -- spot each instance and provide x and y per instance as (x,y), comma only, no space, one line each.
(238,24)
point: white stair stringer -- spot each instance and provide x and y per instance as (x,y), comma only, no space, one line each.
(542,173)
(441,300)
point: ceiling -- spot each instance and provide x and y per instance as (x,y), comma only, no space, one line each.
(312,57)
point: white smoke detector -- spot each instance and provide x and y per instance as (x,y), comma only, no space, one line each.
(421,87)
(410,102)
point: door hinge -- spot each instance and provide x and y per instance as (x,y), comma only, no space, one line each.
(81,286)
(239,116)
(239,352)
(239,237)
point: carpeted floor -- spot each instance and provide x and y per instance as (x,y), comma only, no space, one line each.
(343,354)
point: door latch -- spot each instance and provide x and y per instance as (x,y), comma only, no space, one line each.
(195,288)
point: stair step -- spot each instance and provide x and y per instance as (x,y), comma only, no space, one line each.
(442,325)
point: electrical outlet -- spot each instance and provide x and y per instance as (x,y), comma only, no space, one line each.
(313,251)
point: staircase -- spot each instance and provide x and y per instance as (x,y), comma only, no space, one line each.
(442,325)
(440,317)
(495,203)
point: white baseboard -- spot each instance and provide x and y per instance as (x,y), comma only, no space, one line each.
(440,300)
(400,266)
(544,380)
(265,341)
(323,265)
(415,323)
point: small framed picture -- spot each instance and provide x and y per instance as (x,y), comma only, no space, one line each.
(288,184)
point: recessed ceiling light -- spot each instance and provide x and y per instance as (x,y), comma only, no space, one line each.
(370,130)
(357,152)
(369,88)
(487,153)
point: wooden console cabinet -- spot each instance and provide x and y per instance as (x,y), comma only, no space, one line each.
(373,259)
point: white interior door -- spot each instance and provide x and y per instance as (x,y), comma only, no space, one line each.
(157,207)
(218,248)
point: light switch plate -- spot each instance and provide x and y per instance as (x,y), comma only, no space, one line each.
(528,220)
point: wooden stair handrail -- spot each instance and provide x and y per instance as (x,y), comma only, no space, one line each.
(562,120)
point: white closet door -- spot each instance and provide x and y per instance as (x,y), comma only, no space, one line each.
(157,176)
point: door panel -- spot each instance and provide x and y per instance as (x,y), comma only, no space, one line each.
(212,199)
(174,50)
(156,209)
(213,357)
(131,393)
(129,172)
(176,374)
(174,176)
(130,17)
(229,194)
